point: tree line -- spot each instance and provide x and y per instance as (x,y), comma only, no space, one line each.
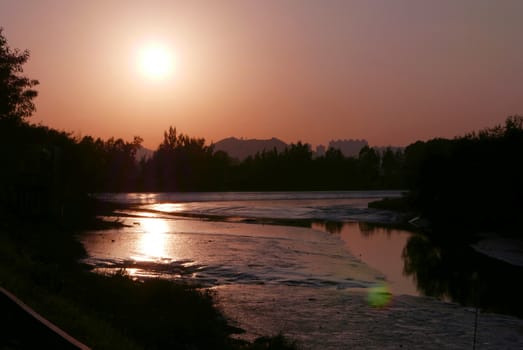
(184,163)
(473,182)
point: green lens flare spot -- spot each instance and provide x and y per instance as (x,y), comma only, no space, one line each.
(379,296)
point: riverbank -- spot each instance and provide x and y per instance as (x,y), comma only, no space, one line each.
(41,279)
(19,321)
(509,250)
(38,264)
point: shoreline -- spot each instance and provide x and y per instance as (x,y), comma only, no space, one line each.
(108,312)
(509,250)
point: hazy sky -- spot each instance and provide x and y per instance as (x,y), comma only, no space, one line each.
(391,72)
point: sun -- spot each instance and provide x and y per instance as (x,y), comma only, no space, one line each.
(156,62)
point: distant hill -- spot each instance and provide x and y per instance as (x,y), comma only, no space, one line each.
(241,149)
(143,152)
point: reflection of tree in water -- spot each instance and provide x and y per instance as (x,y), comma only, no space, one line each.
(367,229)
(333,226)
(458,273)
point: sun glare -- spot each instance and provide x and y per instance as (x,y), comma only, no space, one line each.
(156,62)
(154,237)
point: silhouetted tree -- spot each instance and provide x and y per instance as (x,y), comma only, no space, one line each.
(122,166)
(470,183)
(16,93)
(181,163)
(391,166)
(296,165)
(369,165)
(331,169)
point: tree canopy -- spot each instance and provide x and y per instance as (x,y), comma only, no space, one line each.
(16,93)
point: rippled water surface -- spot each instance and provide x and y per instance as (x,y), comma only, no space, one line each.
(302,263)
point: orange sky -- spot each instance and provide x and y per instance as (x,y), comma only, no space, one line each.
(391,72)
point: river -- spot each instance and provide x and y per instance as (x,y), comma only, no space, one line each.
(318,266)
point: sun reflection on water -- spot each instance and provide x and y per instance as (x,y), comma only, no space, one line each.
(154,238)
(168,207)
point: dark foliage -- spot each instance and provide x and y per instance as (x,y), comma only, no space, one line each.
(16,91)
(471,183)
(182,163)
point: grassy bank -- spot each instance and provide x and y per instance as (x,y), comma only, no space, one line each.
(38,264)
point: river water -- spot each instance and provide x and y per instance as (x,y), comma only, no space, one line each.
(317,266)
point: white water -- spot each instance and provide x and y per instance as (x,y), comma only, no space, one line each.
(304,281)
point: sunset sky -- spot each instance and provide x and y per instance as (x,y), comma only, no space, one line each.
(391,72)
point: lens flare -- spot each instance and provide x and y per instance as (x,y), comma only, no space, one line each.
(379,295)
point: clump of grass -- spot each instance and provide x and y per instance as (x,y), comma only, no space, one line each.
(157,313)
